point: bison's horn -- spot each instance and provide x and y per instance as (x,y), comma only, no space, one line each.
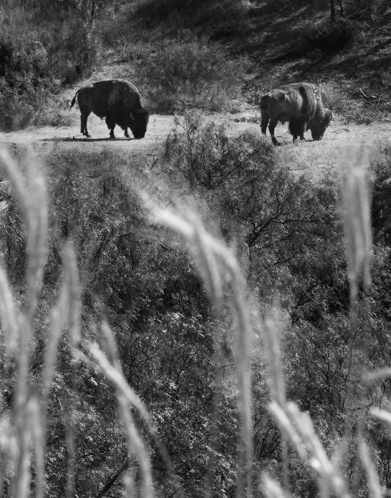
(131,116)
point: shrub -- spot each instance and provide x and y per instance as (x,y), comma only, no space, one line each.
(190,73)
(330,39)
(36,57)
(73,50)
(154,300)
(22,82)
(280,221)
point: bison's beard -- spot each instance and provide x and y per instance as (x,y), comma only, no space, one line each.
(320,123)
(317,130)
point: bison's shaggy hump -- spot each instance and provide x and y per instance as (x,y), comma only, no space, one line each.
(116,100)
(301,105)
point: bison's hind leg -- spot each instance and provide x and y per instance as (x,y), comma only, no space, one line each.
(297,128)
(264,122)
(83,122)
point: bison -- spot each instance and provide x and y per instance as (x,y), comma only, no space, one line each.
(301,105)
(116,100)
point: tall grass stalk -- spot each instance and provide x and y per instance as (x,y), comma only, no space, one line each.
(271,487)
(357,226)
(126,396)
(8,315)
(65,312)
(276,382)
(27,421)
(297,427)
(32,201)
(217,266)
(128,400)
(375,490)
(358,249)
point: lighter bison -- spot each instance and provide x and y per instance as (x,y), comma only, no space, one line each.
(118,101)
(301,105)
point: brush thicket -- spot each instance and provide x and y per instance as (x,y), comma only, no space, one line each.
(23,426)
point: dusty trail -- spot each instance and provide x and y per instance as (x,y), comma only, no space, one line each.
(341,142)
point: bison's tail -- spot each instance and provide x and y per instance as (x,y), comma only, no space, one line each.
(74,99)
(264,101)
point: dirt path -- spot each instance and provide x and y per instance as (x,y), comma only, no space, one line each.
(341,142)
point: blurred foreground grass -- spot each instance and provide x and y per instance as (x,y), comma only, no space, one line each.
(23,425)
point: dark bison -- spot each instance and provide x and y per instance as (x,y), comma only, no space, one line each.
(116,100)
(301,105)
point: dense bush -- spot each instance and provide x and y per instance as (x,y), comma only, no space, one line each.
(218,20)
(74,52)
(189,73)
(22,81)
(154,302)
(293,235)
(281,221)
(37,56)
(330,39)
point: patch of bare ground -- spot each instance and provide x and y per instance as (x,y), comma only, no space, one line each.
(342,142)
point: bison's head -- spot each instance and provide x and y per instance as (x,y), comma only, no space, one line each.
(138,122)
(318,125)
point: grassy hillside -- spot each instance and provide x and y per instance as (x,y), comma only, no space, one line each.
(210,55)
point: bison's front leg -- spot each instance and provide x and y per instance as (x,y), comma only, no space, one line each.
(272,127)
(297,128)
(110,121)
(126,133)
